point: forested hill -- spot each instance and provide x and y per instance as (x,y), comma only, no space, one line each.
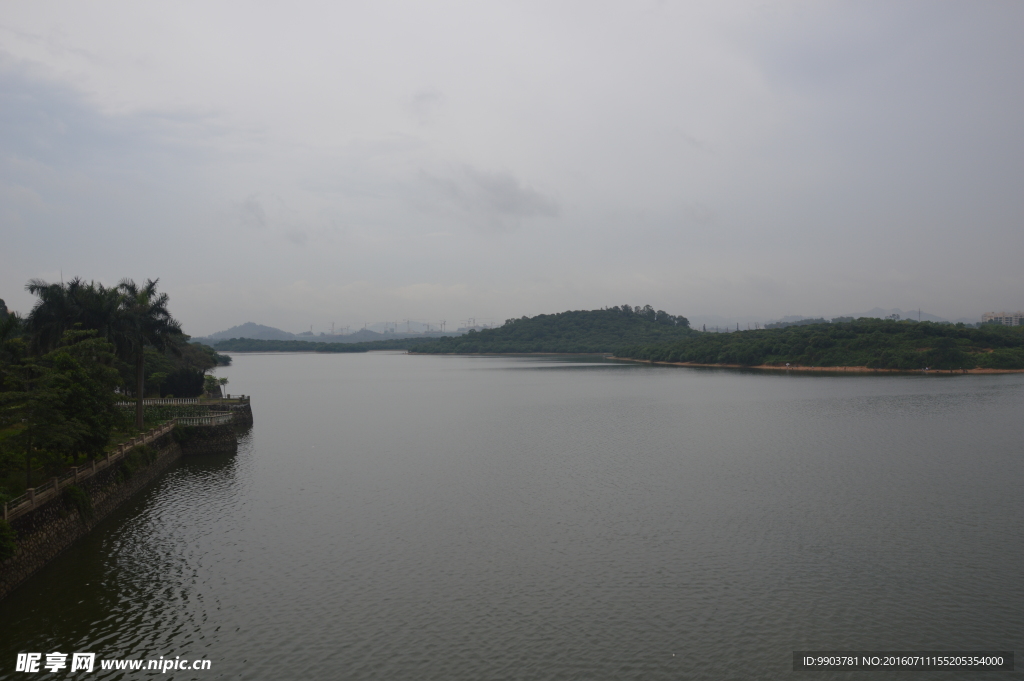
(574,331)
(875,343)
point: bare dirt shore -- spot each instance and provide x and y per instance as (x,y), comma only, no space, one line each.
(828,370)
(606,355)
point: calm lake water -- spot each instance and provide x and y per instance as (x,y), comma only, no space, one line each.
(405,517)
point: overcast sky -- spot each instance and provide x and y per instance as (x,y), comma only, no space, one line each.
(295,164)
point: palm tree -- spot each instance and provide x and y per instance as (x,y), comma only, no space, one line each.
(10,326)
(98,307)
(62,306)
(129,316)
(51,316)
(143,320)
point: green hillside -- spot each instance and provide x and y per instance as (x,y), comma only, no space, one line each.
(876,343)
(582,331)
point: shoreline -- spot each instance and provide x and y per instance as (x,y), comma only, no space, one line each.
(57,522)
(830,370)
(606,355)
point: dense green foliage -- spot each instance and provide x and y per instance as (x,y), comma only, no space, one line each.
(61,404)
(8,540)
(805,322)
(254,345)
(603,330)
(180,375)
(875,343)
(82,348)
(138,457)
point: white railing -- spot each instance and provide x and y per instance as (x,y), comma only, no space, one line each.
(212,419)
(159,400)
(35,496)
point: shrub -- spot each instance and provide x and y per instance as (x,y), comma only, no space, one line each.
(8,540)
(1003,358)
(180,434)
(138,457)
(76,497)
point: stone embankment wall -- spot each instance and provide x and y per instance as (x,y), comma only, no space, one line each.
(48,530)
(209,439)
(243,415)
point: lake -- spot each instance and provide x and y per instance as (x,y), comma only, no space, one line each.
(398,517)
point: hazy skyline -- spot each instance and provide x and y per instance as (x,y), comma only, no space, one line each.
(302,164)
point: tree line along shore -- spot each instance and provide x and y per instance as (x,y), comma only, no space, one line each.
(865,343)
(574,331)
(646,334)
(64,367)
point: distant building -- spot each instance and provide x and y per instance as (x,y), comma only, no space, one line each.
(1004,318)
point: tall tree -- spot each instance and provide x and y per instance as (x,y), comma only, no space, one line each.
(143,320)
(75,304)
(52,314)
(34,401)
(62,403)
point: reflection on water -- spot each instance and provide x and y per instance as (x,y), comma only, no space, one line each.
(407,517)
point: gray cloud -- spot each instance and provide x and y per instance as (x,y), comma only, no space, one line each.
(498,198)
(252,214)
(424,105)
(54,124)
(686,155)
(699,214)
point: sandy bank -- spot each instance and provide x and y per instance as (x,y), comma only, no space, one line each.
(828,370)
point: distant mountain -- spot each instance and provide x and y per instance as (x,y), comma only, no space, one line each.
(251,330)
(364,335)
(260,332)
